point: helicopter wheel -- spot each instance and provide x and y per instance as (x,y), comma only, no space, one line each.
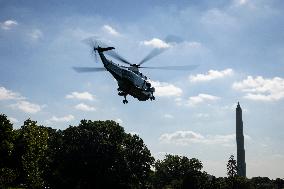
(125,101)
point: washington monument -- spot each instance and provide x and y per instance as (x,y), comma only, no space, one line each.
(241,163)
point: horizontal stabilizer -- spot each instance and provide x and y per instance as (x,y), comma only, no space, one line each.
(101,49)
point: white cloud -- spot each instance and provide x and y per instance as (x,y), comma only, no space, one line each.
(190,137)
(201,98)
(211,75)
(27,107)
(8,24)
(156,43)
(84,107)
(21,103)
(168,116)
(81,96)
(110,30)
(6,94)
(66,118)
(181,137)
(166,89)
(261,89)
(13,120)
(36,34)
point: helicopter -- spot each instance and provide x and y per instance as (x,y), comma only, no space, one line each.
(129,79)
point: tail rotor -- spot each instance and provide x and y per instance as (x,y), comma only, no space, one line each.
(93,44)
(96,46)
(95,54)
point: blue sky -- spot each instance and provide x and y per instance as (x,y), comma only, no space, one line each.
(237,44)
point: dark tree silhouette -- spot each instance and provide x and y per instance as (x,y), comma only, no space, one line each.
(177,172)
(8,172)
(99,154)
(31,146)
(6,141)
(232,167)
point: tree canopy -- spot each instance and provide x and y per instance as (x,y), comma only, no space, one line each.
(100,154)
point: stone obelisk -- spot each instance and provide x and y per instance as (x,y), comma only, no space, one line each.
(241,163)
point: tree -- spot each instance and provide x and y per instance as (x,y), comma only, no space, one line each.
(50,163)
(232,167)
(177,171)
(139,160)
(99,154)
(261,182)
(6,141)
(279,183)
(8,173)
(7,177)
(234,181)
(195,164)
(31,146)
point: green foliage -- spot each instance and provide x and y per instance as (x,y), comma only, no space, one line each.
(261,183)
(279,183)
(138,160)
(242,183)
(6,140)
(54,145)
(232,167)
(177,171)
(8,173)
(99,154)
(7,176)
(32,146)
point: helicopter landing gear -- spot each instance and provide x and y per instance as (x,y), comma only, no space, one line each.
(152,97)
(125,101)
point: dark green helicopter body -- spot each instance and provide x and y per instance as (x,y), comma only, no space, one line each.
(129,79)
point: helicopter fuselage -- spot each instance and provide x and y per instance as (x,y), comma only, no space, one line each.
(129,81)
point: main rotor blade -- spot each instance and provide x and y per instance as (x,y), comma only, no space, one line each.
(181,68)
(152,54)
(88,69)
(117,57)
(170,40)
